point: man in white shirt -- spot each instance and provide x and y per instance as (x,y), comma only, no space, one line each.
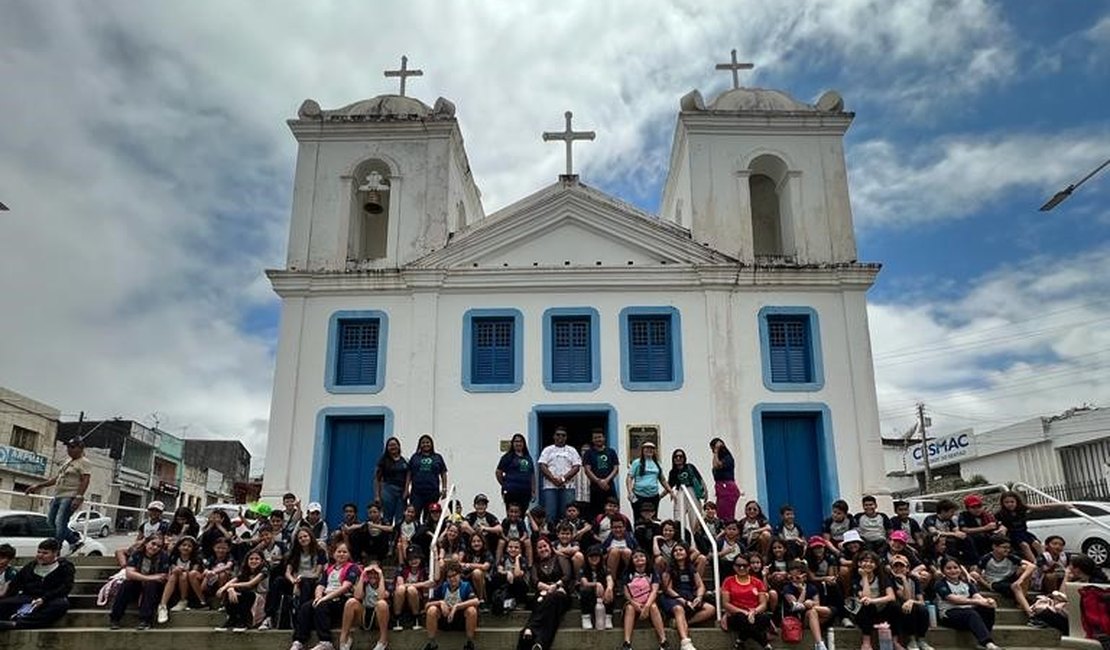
(70,484)
(559,463)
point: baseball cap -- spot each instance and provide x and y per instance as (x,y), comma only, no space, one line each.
(156,505)
(75,441)
(973,500)
(900,536)
(595,550)
(851,536)
(481,498)
(816,540)
(435,507)
(314,507)
(648,444)
(899,559)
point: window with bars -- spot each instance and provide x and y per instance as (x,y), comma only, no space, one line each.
(791,355)
(649,349)
(23,438)
(492,357)
(571,355)
(357,352)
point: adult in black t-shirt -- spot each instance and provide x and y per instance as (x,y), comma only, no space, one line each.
(389,481)
(601,465)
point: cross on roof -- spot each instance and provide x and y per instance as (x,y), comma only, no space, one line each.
(735,67)
(569,136)
(403,73)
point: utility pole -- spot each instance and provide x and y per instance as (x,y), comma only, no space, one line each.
(80,421)
(924,444)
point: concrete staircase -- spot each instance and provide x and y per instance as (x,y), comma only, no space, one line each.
(86,626)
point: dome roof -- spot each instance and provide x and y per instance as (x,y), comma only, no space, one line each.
(382,107)
(757,99)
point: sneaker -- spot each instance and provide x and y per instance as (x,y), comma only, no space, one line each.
(143,625)
(536,646)
(239,629)
(587,622)
(163,614)
(347,645)
(380,646)
(922,645)
(847,622)
(469,645)
(224,627)
(113,625)
(297,645)
(180,606)
(993,646)
(1036,623)
(820,645)
(323,645)
(416,624)
(397,627)
(608,621)
(265,624)
(431,645)
(626,646)
(664,645)
(912,645)
(686,644)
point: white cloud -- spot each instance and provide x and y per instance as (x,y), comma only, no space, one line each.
(955,176)
(1026,340)
(148,167)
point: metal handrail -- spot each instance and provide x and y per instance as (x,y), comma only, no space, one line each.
(980,489)
(435,534)
(696,509)
(85,504)
(1025,487)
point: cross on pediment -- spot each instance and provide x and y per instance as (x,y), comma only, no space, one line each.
(404,73)
(568,136)
(735,67)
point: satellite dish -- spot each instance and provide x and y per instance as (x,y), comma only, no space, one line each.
(830,102)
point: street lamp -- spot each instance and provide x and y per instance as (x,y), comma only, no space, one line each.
(1059,197)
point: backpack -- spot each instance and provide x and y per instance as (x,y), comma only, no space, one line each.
(1093,603)
(791,629)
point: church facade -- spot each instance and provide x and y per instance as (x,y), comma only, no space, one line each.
(738,312)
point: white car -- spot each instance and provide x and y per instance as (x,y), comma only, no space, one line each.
(91,523)
(24,530)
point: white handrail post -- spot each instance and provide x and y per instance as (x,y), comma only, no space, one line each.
(1029,488)
(432,568)
(689,497)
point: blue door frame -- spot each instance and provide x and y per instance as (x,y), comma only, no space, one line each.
(333,486)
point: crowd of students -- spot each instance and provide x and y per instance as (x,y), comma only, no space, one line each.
(386,571)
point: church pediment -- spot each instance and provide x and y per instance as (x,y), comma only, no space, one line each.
(568,224)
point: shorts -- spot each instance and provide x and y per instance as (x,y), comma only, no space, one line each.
(1019,536)
(668,604)
(1003,586)
(457,624)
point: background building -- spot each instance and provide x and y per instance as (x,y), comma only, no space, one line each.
(27,431)
(214,468)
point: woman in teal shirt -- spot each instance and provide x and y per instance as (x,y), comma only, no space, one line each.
(645,478)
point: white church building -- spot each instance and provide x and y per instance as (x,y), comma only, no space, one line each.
(739,311)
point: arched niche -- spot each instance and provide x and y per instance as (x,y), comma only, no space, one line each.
(371,194)
(769,187)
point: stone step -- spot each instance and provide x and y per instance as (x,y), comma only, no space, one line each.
(489,638)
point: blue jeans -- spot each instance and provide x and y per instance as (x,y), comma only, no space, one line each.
(555,501)
(393,506)
(61,509)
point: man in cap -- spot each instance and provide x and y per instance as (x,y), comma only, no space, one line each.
(70,484)
(314,521)
(979,525)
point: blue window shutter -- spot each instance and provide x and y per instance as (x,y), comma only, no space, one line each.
(492,351)
(571,360)
(650,353)
(357,358)
(790,350)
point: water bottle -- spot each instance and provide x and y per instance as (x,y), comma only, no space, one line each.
(886,639)
(932,607)
(831,645)
(599,615)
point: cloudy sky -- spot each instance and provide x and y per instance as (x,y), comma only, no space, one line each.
(147,165)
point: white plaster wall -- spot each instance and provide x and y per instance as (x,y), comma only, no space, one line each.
(722,380)
(1037,464)
(1080,428)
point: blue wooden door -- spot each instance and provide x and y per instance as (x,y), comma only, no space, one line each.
(792,468)
(355,444)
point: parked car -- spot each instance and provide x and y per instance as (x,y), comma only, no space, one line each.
(24,530)
(1080,535)
(91,522)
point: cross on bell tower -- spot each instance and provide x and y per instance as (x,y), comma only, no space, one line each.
(735,67)
(403,73)
(568,136)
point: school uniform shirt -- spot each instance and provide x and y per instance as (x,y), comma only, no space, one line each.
(909,585)
(744,596)
(508,564)
(452,597)
(874,528)
(789,534)
(412,576)
(274,554)
(263,585)
(639,585)
(628,541)
(601,462)
(967,520)
(911,556)
(684,583)
(425,470)
(394,472)
(820,567)
(997,570)
(185,564)
(147,565)
(910,526)
(933,523)
(727,470)
(800,593)
(1014,521)
(371,595)
(645,484)
(514,529)
(577,523)
(519,472)
(560,461)
(488,519)
(590,574)
(836,529)
(7,576)
(603,524)
(152,528)
(336,575)
(645,533)
(729,550)
(307,563)
(872,588)
(749,526)
(319,529)
(944,589)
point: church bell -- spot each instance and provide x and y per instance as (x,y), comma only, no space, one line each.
(373,203)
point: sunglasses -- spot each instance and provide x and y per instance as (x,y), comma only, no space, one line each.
(740,565)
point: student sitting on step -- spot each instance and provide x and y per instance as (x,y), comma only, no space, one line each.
(146,576)
(510,580)
(453,606)
(1003,572)
(682,594)
(802,600)
(477,563)
(960,606)
(296,583)
(368,605)
(641,595)
(327,603)
(7,571)
(412,583)
(595,585)
(152,526)
(240,594)
(182,580)
(619,547)
(215,571)
(37,596)
(912,619)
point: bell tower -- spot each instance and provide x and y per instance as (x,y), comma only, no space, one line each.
(760,176)
(379,183)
